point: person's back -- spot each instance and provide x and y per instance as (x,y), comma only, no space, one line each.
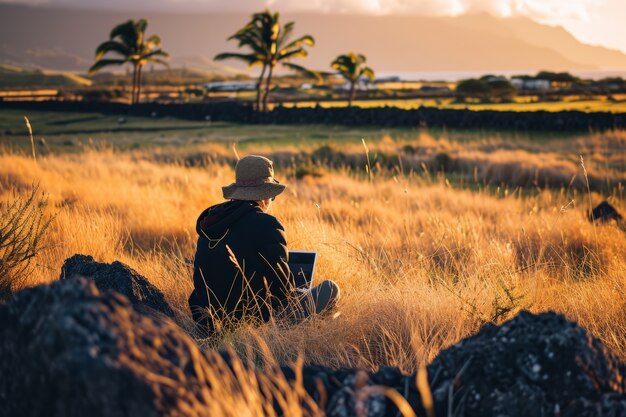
(238,287)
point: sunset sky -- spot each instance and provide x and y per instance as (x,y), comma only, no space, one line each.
(598,22)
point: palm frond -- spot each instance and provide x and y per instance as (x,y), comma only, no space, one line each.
(303,40)
(154,40)
(122,29)
(112,46)
(359,59)
(127,32)
(304,71)
(141,25)
(368,72)
(285,33)
(294,53)
(155,53)
(250,59)
(105,63)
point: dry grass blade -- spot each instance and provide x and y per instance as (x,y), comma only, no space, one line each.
(363,394)
(32,140)
(368,167)
(421,381)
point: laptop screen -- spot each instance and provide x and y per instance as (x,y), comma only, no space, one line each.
(302,266)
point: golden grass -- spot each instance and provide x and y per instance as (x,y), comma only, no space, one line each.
(490,160)
(421,262)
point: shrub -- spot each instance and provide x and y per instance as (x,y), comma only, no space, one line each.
(329,155)
(442,162)
(22,225)
(310,170)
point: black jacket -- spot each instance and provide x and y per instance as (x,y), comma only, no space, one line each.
(257,240)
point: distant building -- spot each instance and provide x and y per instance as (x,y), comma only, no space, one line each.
(363,84)
(388,79)
(537,85)
(231,86)
(492,78)
(518,83)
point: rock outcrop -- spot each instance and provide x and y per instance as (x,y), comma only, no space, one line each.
(68,350)
(119,277)
(532,365)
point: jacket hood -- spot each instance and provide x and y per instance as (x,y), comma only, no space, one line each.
(215,220)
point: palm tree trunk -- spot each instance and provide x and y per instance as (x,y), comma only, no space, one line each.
(139,84)
(352,93)
(134,87)
(259,87)
(267,87)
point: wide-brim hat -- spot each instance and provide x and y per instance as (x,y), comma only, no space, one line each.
(254,180)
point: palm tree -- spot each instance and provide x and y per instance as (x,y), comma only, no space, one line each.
(255,35)
(351,67)
(270,45)
(128,41)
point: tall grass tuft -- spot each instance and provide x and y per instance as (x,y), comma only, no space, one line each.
(22,225)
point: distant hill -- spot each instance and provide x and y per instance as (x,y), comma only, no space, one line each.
(11,76)
(66,39)
(554,38)
(171,76)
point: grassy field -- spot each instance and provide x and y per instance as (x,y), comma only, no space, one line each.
(467,158)
(425,253)
(73,132)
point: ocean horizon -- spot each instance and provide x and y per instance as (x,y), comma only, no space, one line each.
(461,75)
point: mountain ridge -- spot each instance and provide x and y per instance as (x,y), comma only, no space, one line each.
(65,39)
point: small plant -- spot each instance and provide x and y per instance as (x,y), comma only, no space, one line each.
(506,303)
(22,225)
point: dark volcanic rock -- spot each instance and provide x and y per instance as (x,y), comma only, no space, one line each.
(118,277)
(604,212)
(532,365)
(66,350)
(342,392)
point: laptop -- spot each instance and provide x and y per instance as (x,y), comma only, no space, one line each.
(302,266)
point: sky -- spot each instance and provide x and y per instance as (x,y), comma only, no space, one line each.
(596,22)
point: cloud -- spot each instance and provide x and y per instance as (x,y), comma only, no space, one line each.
(538,9)
(543,10)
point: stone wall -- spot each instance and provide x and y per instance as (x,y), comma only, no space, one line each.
(377,116)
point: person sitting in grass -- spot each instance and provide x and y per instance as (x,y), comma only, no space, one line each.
(241,266)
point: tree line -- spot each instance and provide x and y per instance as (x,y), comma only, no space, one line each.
(264,41)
